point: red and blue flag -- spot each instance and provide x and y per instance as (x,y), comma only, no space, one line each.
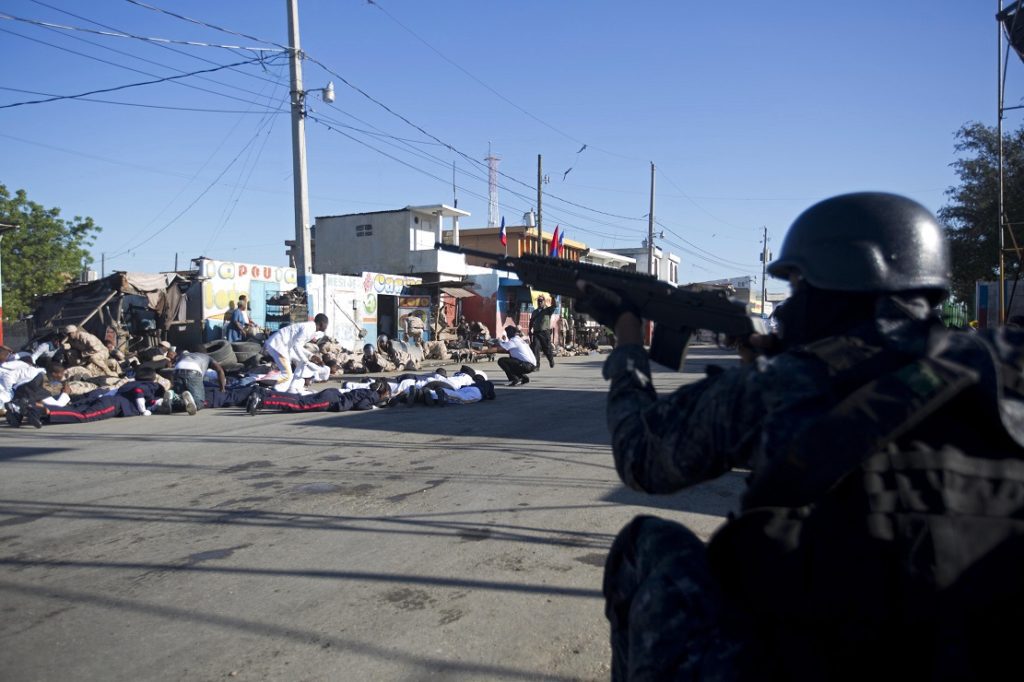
(502,235)
(554,243)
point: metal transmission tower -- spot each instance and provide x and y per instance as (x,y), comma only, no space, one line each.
(492,188)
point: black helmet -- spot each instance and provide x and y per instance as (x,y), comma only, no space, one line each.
(867,242)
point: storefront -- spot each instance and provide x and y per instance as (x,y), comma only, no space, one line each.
(369,301)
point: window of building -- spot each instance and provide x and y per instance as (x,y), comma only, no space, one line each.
(673,272)
(364,230)
(657,266)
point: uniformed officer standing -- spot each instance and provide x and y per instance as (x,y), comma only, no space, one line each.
(831,571)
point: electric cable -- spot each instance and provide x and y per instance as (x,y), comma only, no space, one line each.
(151,61)
(160,45)
(128,85)
(113,34)
(127,68)
(148,106)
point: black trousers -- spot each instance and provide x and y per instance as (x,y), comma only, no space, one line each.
(32,391)
(513,368)
(669,619)
(327,400)
(81,411)
(541,343)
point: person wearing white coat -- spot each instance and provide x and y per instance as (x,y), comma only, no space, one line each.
(286,345)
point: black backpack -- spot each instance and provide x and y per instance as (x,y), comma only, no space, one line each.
(903,555)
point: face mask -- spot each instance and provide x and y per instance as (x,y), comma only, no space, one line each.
(811,314)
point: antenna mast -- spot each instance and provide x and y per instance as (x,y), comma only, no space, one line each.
(492,187)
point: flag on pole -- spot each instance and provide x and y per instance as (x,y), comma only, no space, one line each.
(554,243)
(501,235)
(561,243)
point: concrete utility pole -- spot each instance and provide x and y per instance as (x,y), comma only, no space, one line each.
(540,191)
(764,269)
(650,230)
(303,267)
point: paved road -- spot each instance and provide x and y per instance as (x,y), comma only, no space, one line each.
(461,543)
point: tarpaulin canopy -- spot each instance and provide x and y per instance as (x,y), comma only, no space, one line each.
(97,304)
(456,292)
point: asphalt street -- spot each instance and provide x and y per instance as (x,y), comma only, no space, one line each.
(460,542)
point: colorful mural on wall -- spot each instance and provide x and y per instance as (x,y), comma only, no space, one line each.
(227,280)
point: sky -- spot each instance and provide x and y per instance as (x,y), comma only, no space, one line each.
(751,111)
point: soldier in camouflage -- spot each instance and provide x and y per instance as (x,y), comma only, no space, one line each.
(866,271)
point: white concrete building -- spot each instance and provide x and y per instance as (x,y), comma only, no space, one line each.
(400,241)
(666,265)
(608,259)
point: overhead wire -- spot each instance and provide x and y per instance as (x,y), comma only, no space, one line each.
(151,61)
(129,68)
(334,126)
(712,255)
(114,34)
(185,210)
(230,208)
(128,85)
(199,22)
(686,196)
(162,46)
(148,106)
(362,92)
(481,177)
(323,121)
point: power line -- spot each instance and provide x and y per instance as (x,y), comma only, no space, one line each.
(387,108)
(193,203)
(150,106)
(440,54)
(113,34)
(690,199)
(160,45)
(122,66)
(129,85)
(144,59)
(207,25)
(455,149)
(324,122)
(717,257)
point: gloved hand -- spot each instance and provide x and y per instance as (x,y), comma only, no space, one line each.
(146,413)
(604,305)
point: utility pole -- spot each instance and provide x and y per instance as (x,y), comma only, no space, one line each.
(650,229)
(764,269)
(303,268)
(103,264)
(540,192)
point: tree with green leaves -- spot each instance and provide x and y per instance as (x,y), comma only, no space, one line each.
(42,254)
(971,212)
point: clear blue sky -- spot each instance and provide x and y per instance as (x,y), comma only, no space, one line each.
(750,110)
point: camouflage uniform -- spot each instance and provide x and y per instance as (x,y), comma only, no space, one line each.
(668,619)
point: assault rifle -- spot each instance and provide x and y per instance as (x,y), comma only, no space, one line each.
(676,313)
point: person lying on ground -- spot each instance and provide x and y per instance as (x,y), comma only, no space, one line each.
(327,400)
(14,373)
(133,399)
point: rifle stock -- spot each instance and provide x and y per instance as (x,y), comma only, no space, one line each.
(676,312)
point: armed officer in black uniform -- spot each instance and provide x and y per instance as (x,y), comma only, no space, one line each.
(880,532)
